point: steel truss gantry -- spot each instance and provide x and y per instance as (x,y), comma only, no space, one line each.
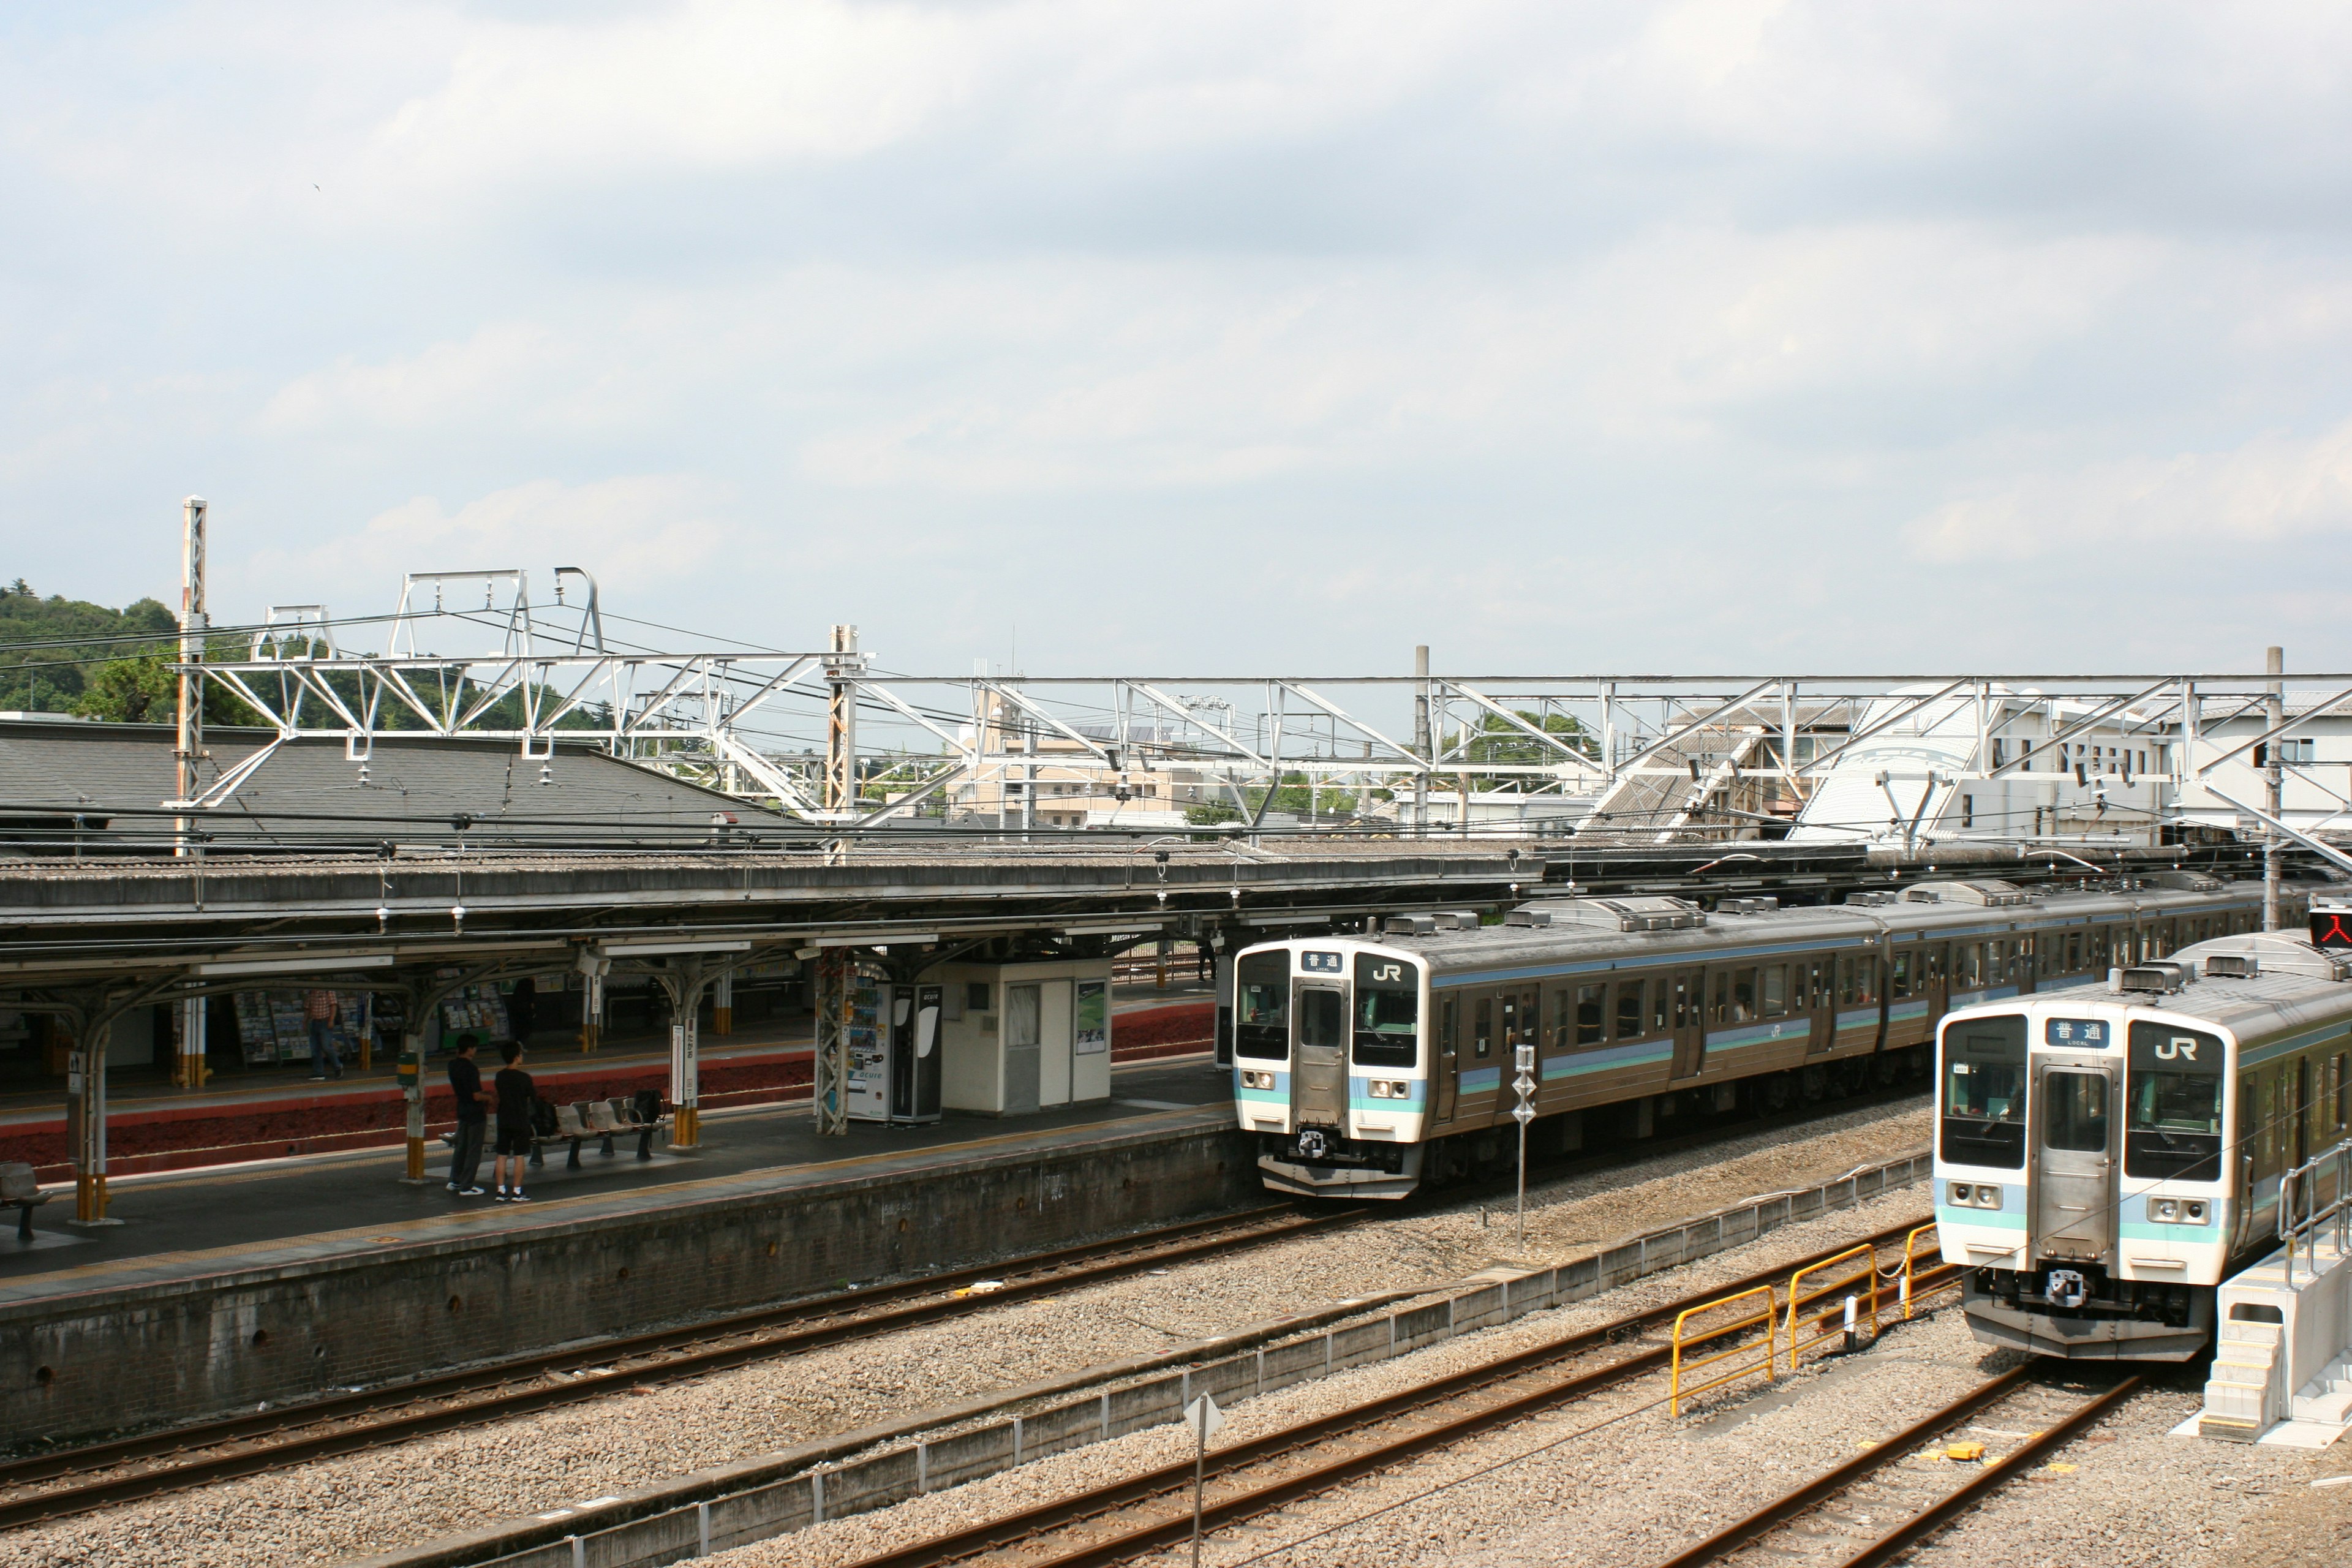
(829,738)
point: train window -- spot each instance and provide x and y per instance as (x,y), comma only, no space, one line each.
(1482,1026)
(1689,992)
(1775,991)
(2096,945)
(1449,1020)
(2075,1112)
(2266,1131)
(2174,1130)
(1845,987)
(1968,965)
(1658,1003)
(1592,1010)
(1743,995)
(1262,1005)
(1819,994)
(1865,977)
(2343,1091)
(1628,1010)
(1984,1092)
(1387,1012)
(1996,964)
(1899,981)
(1722,1012)
(1510,1018)
(1931,960)
(2073,950)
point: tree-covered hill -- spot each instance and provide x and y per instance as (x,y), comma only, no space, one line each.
(50,648)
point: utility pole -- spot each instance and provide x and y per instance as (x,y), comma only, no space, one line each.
(1421,737)
(191,651)
(2274,789)
(188,1070)
(842,666)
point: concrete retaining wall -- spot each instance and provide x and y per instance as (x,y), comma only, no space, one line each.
(171,1352)
(778,1493)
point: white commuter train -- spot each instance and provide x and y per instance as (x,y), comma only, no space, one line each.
(2105,1158)
(1370,1065)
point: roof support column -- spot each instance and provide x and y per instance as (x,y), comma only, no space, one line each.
(829,1095)
(85,1119)
(684,1064)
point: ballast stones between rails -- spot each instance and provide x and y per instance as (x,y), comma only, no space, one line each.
(1141,1513)
(57,1486)
(1787,1513)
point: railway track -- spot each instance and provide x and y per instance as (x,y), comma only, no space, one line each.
(45,1487)
(38,1488)
(1145,1512)
(1858,1516)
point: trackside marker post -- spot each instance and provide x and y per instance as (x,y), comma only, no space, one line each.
(1524,1057)
(1204,1416)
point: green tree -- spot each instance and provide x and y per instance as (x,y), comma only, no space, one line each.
(1499,741)
(145,689)
(49,648)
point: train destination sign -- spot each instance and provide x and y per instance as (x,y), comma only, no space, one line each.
(2076,1033)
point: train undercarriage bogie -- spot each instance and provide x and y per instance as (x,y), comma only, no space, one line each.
(2077,1313)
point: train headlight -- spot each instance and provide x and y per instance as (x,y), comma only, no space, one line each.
(2181,1211)
(1964,1194)
(1390,1088)
(1988,1194)
(1253,1079)
(1975,1195)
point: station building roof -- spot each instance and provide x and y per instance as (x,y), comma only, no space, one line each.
(116,779)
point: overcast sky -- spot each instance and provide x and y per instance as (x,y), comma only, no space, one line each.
(1215,337)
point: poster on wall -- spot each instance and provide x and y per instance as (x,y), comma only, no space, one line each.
(1092,1024)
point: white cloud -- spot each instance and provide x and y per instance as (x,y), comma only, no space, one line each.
(637,534)
(2274,490)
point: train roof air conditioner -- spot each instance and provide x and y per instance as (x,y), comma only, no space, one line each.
(1653,913)
(1988,894)
(2159,979)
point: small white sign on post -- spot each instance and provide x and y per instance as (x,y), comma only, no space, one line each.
(1203,1417)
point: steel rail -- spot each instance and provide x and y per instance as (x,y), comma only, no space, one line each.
(406,1410)
(1802,1500)
(1026,1528)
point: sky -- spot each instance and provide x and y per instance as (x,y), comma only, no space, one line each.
(1207,337)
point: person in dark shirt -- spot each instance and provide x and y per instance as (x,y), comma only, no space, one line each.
(473,1121)
(515,1093)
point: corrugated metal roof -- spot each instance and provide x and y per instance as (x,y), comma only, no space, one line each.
(309,792)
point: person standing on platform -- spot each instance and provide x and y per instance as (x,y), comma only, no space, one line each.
(515,1093)
(473,1121)
(320,1008)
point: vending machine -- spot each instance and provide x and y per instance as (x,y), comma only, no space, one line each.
(914,1066)
(868,1046)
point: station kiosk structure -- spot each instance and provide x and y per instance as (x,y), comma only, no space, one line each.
(997,1040)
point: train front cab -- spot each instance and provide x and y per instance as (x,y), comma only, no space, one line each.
(2078,1166)
(1331,1066)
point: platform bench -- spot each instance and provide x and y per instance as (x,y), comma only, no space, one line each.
(602,1118)
(20,1191)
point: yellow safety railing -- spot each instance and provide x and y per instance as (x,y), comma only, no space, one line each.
(1911,1267)
(1767,1315)
(1804,1331)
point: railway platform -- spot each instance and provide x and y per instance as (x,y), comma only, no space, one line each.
(283,1280)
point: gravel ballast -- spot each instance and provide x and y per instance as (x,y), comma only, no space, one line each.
(340,1508)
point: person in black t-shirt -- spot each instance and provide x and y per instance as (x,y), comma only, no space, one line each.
(515,1093)
(473,1121)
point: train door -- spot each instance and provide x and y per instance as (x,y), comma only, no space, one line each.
(1686,1016)
(2073,1191)
(1821,1002)
(1522,1019)
(1931,979)
(1446,1070)
(1319,1055)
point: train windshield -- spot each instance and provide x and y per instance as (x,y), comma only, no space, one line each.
(1262,1005)
(1984,1092)
(2175,1129)
(1387,1012)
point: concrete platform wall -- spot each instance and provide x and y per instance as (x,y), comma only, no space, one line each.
(168,1353)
